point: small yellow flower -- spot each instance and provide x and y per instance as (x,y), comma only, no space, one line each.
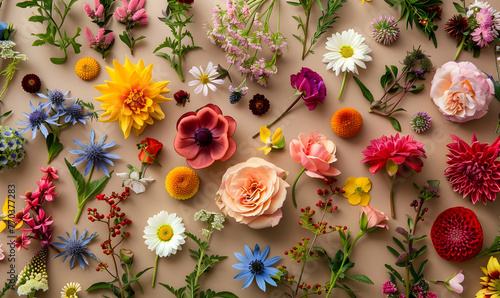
(275,142)
(70,290)
(182,183)
(87,68)
(490,282)
(4,216)
(356,190)
(363,1)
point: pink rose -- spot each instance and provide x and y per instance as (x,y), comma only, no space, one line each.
(461,91)
(253,192)
(315,152)
(375,218)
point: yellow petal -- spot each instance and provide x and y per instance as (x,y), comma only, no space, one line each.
(276,136)
(267,150)
(364,183)
(3,225)
(5,209)
(365,199)
(265,134)
(19,224)
(354,199)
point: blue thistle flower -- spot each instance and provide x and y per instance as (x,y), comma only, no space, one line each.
(75,248)
(254,264)
(37,120)
(73,114)
(56,99)
(95,154)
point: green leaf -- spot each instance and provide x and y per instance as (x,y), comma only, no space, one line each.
(225,294)
(395,123)
(99,285)
(39,19)
(393,251)
(391,167)
(139,38)
(361,278)
(94,188)
(394,71)
(26,4)
(366,93)
(53,146)
(5,114)
(125,39)
(459,8)
(416,90)
(58,61)
(78,179)
(394,272)
(293,3)
(38,42)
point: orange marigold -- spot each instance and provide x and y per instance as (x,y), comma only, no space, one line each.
(182,183)
(347,122)
(87,68)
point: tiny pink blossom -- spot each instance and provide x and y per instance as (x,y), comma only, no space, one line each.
(100,34)
(89,36)
(132,6)
(88,10)
(141,3)
(99,11)
(109,38)
(21,242)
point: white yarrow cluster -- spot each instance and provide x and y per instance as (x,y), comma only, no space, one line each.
(213,220)
(6,51)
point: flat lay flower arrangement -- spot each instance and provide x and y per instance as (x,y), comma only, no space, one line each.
(164,147)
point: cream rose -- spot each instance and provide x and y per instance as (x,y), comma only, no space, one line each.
(253,192)
(461,91)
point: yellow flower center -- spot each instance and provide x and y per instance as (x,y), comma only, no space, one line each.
(135,101)
(70,292)
(346,51)
(165,233)
(359,191)
(204,79)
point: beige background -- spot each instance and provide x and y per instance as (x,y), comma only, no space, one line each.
(370,255)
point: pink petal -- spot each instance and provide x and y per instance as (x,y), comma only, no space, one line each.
(230,150)
(208,118)
(263,221)
(218,147)
(186,147)
(188,126)
(202,160)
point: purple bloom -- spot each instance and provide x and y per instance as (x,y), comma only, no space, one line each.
(38,119)
(388,288)
(311,85)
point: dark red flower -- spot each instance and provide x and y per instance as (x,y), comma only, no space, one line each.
(311,85)
(456,26)
(259,105)
(457,235)
(151,147)
(181,97)
(31,83)
(189,2)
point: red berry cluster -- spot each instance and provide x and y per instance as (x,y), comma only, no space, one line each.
(101,267)
(316,288)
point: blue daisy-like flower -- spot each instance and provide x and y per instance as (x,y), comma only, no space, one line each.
(56,99)
(75,248)
(37,120)
(95,154)
(254,264)
(73,114)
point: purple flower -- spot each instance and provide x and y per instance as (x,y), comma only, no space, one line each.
(311,85)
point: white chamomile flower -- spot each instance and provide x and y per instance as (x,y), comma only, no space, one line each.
(164,234)
(205,78)
(70,290)
(346,52)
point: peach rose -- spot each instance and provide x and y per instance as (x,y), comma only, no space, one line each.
(315,152)
(461,91)
(375,218)
(253,192)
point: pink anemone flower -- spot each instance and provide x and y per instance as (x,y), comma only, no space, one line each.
(204,136)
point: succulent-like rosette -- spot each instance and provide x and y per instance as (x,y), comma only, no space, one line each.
(461,91)
(473,169)
(253,193)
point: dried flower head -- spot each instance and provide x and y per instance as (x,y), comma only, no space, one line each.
(457,234)
(87,68)
(259,105)
(456,26)
(181,97)
(31,83)
(385,30)
(347,122)
(420,122)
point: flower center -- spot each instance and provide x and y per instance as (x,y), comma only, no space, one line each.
(31,82)
(204,79)
(359,191)
(256,267)
(135,101)
(259,105)
(346,51)
(56,97)
(165,233)
(203,137)
(74,110)
(70,292)
(37,118)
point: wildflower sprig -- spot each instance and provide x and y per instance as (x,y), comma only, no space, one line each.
(397,85)
(419,14)
(204,262)
(325,21)
(15,57)
(176,19)
(100,15)
(131,13)
(406,255)
(116,222)
(50,12)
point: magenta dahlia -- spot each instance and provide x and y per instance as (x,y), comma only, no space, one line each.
(473,169)
(457,234)
(403,151)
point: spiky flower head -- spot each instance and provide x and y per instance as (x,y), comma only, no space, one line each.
(456,26)
(11,147)
(34,275)
(420,122)
(385,30)
(75,248)
(56,99)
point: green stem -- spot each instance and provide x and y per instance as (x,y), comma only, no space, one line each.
(133,276)
(391,196)
(293,186)
(179,50)
(82,204)
(305,51)
(460,47)
(343,84)
(116,270)
(154,274)
(280,116)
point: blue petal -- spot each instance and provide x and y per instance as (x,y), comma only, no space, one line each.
(59,254)
(256,252)
(260,282)
(113,156)
(264,254)
(108,145)
(92,136)
(44,130)
(87,168)
(78,160)
(32,107)
(271,261)
(247,281)
(33,135)
(248,252)
(242,258)
(104,169)
(71,262)
(79,143)
(242,275)
(270,271)
(74,233)
(269,280)
(240,266)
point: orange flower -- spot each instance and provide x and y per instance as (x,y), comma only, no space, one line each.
(347,122)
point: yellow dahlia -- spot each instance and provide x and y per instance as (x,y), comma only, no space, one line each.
(131,97)
(490,282)
(182,183)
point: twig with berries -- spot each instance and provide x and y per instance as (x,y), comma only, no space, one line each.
(115,222)
(409,254)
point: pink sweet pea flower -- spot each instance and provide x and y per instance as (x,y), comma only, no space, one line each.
(455,281)
(375,217)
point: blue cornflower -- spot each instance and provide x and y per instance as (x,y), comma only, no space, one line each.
(95,154)
(254,264)
(37,119)
(56,99)
(73,114)
(75,248)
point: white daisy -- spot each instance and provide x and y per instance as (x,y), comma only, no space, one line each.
(205,78)
(70,290)
(346,51)
(164,234)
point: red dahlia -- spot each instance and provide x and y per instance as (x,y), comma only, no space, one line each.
(31,83)
(457,235)
(259,105)
(473,169)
